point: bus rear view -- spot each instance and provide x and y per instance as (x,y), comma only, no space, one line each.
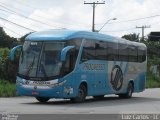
(55,64)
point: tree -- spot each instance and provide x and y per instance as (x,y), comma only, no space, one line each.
(6,40)
(8,68)
(22,39)
(131,37)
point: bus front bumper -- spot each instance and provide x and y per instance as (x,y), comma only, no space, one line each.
(39,92)
(39,89)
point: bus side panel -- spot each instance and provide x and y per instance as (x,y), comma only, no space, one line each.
(112,70)
(70,88)
(100,73)
(141,78)
(84,75)
(73,81)
(139,83)
(94,73)
(137,74)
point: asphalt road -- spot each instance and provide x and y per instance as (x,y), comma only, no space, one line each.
(144,102)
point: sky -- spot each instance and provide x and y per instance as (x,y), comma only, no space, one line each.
(19,17)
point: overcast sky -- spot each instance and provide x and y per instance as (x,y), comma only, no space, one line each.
(39,15)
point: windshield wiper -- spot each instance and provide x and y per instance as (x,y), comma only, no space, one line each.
(44,71)
(22,57)
(30,66)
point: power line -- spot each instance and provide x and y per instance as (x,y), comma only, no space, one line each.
(28,5)
(14,22)
(59,21)
(41,17)
(10,30)
(131,20)
(141,18)
(17,24)
(26,22)
(120,30)
(6,9)
(129,28)
(35,20)
(94,3)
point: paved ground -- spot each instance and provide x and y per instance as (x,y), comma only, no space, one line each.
(145,102)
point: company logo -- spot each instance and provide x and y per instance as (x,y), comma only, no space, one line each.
(116,78)
(35,87)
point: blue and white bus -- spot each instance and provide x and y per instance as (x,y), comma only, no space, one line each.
(75,64)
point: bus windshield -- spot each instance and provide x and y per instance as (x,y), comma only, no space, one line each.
(40,59)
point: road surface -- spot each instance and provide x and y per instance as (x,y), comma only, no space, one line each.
(144,102)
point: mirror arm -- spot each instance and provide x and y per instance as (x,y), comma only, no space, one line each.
(12,53)
(64,52)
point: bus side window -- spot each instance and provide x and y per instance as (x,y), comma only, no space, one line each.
(112,51)
(141,54)
(70,62)
(71,58)
(123,52)
(133,56)
(88,52)
(101,50)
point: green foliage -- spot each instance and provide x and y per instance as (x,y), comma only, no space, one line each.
(6,41)
(22,39)
(8,69)
(7,89)
(153,81)
(131,37)
(153,48)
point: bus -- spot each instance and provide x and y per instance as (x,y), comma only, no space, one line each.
(72,64)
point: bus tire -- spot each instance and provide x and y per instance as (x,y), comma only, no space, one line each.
(129,91)
(42,99)
(82,93)
(98,97)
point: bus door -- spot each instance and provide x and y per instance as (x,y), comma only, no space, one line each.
(70,62)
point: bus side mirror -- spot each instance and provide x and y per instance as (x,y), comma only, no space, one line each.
(64,52)
(13,52)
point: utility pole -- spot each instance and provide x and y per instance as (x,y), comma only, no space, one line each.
(94,5)
(143,27)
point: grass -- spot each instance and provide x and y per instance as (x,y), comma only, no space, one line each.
(7,89)
(152,81)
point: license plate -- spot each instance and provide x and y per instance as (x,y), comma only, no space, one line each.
(35,93)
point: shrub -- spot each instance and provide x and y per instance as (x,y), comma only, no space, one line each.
(7,89)
(8,68)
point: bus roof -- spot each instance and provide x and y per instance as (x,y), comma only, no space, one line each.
(64,34)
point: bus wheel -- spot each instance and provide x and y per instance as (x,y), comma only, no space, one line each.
(129,91)
(99,97)
(82,93)
(42,99)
